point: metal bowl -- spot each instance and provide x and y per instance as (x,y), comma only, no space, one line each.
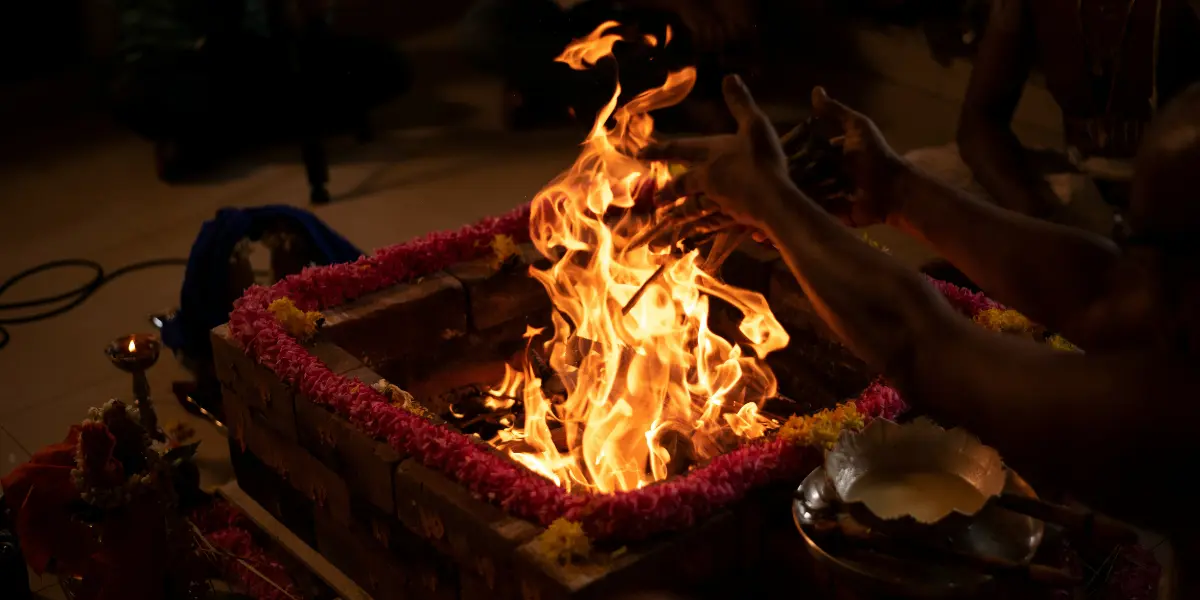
(914,474)
(884,450)
(993,531)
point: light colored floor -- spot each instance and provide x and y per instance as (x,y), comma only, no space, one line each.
(93,194)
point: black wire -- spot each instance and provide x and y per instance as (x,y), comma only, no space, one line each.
(71,298)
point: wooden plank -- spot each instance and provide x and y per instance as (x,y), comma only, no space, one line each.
(334,578)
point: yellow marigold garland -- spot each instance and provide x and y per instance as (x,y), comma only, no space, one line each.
(563,542)
(299,324)
(823,428)
(1012,322)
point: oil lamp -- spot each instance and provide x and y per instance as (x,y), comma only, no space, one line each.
(134,354)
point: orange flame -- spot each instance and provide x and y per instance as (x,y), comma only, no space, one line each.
(638,383)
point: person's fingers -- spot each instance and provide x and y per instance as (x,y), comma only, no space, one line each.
(688,183)
(685,150)
(741,103)
(828,108)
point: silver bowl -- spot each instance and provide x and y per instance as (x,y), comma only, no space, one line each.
(914,473)
(881,453)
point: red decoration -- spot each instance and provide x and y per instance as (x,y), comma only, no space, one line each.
(243,562)
(39,493)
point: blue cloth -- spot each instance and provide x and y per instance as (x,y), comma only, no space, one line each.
(204,302)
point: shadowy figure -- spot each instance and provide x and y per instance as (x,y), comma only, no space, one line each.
(204,79)
(1109,65)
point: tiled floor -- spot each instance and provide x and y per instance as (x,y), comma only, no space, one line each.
(98,198)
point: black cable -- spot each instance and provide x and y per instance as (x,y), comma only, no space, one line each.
(71,298)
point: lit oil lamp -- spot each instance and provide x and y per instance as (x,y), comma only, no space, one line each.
(135,354)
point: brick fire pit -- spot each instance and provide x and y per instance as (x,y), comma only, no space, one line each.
(403,530)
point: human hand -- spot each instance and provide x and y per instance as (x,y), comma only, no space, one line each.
(742,172)
(871,163)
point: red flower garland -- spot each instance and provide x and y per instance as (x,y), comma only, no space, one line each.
(227,530)
(670,505)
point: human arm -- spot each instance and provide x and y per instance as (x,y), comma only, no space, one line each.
(985,137)
(1062,418)
(1067,417)
(1051,272)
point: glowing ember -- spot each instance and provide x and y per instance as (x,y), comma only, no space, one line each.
(642,386)
(132,346)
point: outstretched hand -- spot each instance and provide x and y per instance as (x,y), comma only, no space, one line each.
(742,172)
(872,164)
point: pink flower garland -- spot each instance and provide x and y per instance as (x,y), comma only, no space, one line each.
(668,506)
(226,529)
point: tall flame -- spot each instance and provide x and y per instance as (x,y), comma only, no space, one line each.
(638,383)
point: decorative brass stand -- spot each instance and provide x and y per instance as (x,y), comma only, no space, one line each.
(135,354)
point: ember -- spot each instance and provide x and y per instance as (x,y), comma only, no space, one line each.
(637,389)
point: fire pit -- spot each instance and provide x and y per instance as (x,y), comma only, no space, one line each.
(535,406)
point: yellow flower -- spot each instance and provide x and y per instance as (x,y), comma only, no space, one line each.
(1058,342)
(563,542)
(823,428)
(301,325)
(503,248)
(1005,321)
(1013,322)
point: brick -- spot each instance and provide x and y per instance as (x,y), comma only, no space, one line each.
(401,330)
(371,566)
(498,296)
(335,358)
(750,267)
(456,523)
(272,492)
(268,398)
(289,460)
(365,464)
(380,541)
(724,547)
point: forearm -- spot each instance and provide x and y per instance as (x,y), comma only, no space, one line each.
(869,300)
(998,161)
(1048,271)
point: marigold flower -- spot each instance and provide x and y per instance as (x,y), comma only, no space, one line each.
(563,542)
(503,250)
(823,428)
(300,324)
